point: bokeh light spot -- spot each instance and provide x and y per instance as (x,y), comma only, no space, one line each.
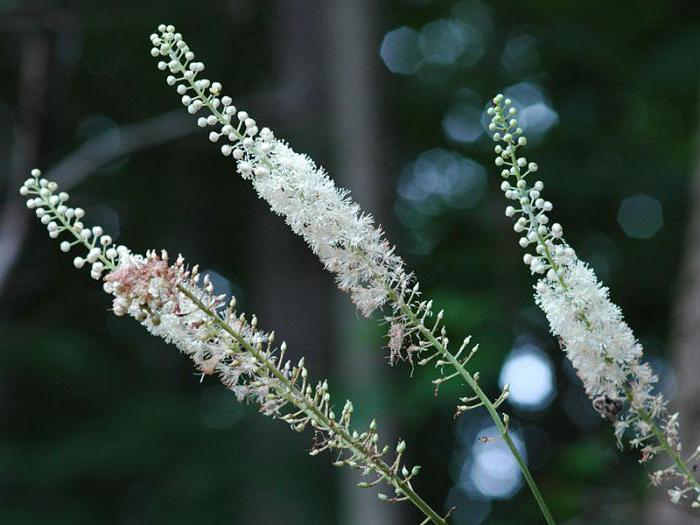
(535,115)
(493,471)
(462,123)
(640,216)
(441,41)
(221,284)
(399,51)
(530,375)
(444,178)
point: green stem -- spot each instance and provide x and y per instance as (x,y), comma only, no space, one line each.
(661,438)
(483,398)
(673,454)
(298,398)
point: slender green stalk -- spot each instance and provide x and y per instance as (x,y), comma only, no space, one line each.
(483,398)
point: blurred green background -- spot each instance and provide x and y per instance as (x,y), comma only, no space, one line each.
(101,423)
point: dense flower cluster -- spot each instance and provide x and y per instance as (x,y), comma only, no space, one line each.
(170,303)
(599,343)
(175,303)
(344,238)
(596,339)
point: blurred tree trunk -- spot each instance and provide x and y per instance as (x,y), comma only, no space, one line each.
(331,74)
(353,39)
(36,49)
(685,349)
(289,289)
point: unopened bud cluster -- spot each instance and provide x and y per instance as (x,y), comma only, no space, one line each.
(52,209)
(529,209)
(240,132)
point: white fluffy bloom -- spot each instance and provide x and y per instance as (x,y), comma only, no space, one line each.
(344,238)
(591,329)
(335,228)
(158,295)
(598,342)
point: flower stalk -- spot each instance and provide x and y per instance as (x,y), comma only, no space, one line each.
(175,303)
(344,238)
(591,329)
(483,400)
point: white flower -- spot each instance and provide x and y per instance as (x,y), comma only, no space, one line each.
(598,342)
(344,238)
(170,303)
(591,329)
(177,305)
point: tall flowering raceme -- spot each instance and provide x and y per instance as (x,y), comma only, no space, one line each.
(178,305)
(344,238)
(602,348)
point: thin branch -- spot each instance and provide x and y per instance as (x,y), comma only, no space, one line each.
(78,165)
(118,142)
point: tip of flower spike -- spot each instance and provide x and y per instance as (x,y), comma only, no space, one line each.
(503,126)
(52,209)
(29,186)
(166,28)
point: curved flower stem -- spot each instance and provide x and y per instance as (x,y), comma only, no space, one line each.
(483,398)
(295,396)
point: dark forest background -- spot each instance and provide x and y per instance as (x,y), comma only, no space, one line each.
(101,423)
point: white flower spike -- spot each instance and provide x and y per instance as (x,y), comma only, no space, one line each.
(169,300)
(591,329)
(345,239)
